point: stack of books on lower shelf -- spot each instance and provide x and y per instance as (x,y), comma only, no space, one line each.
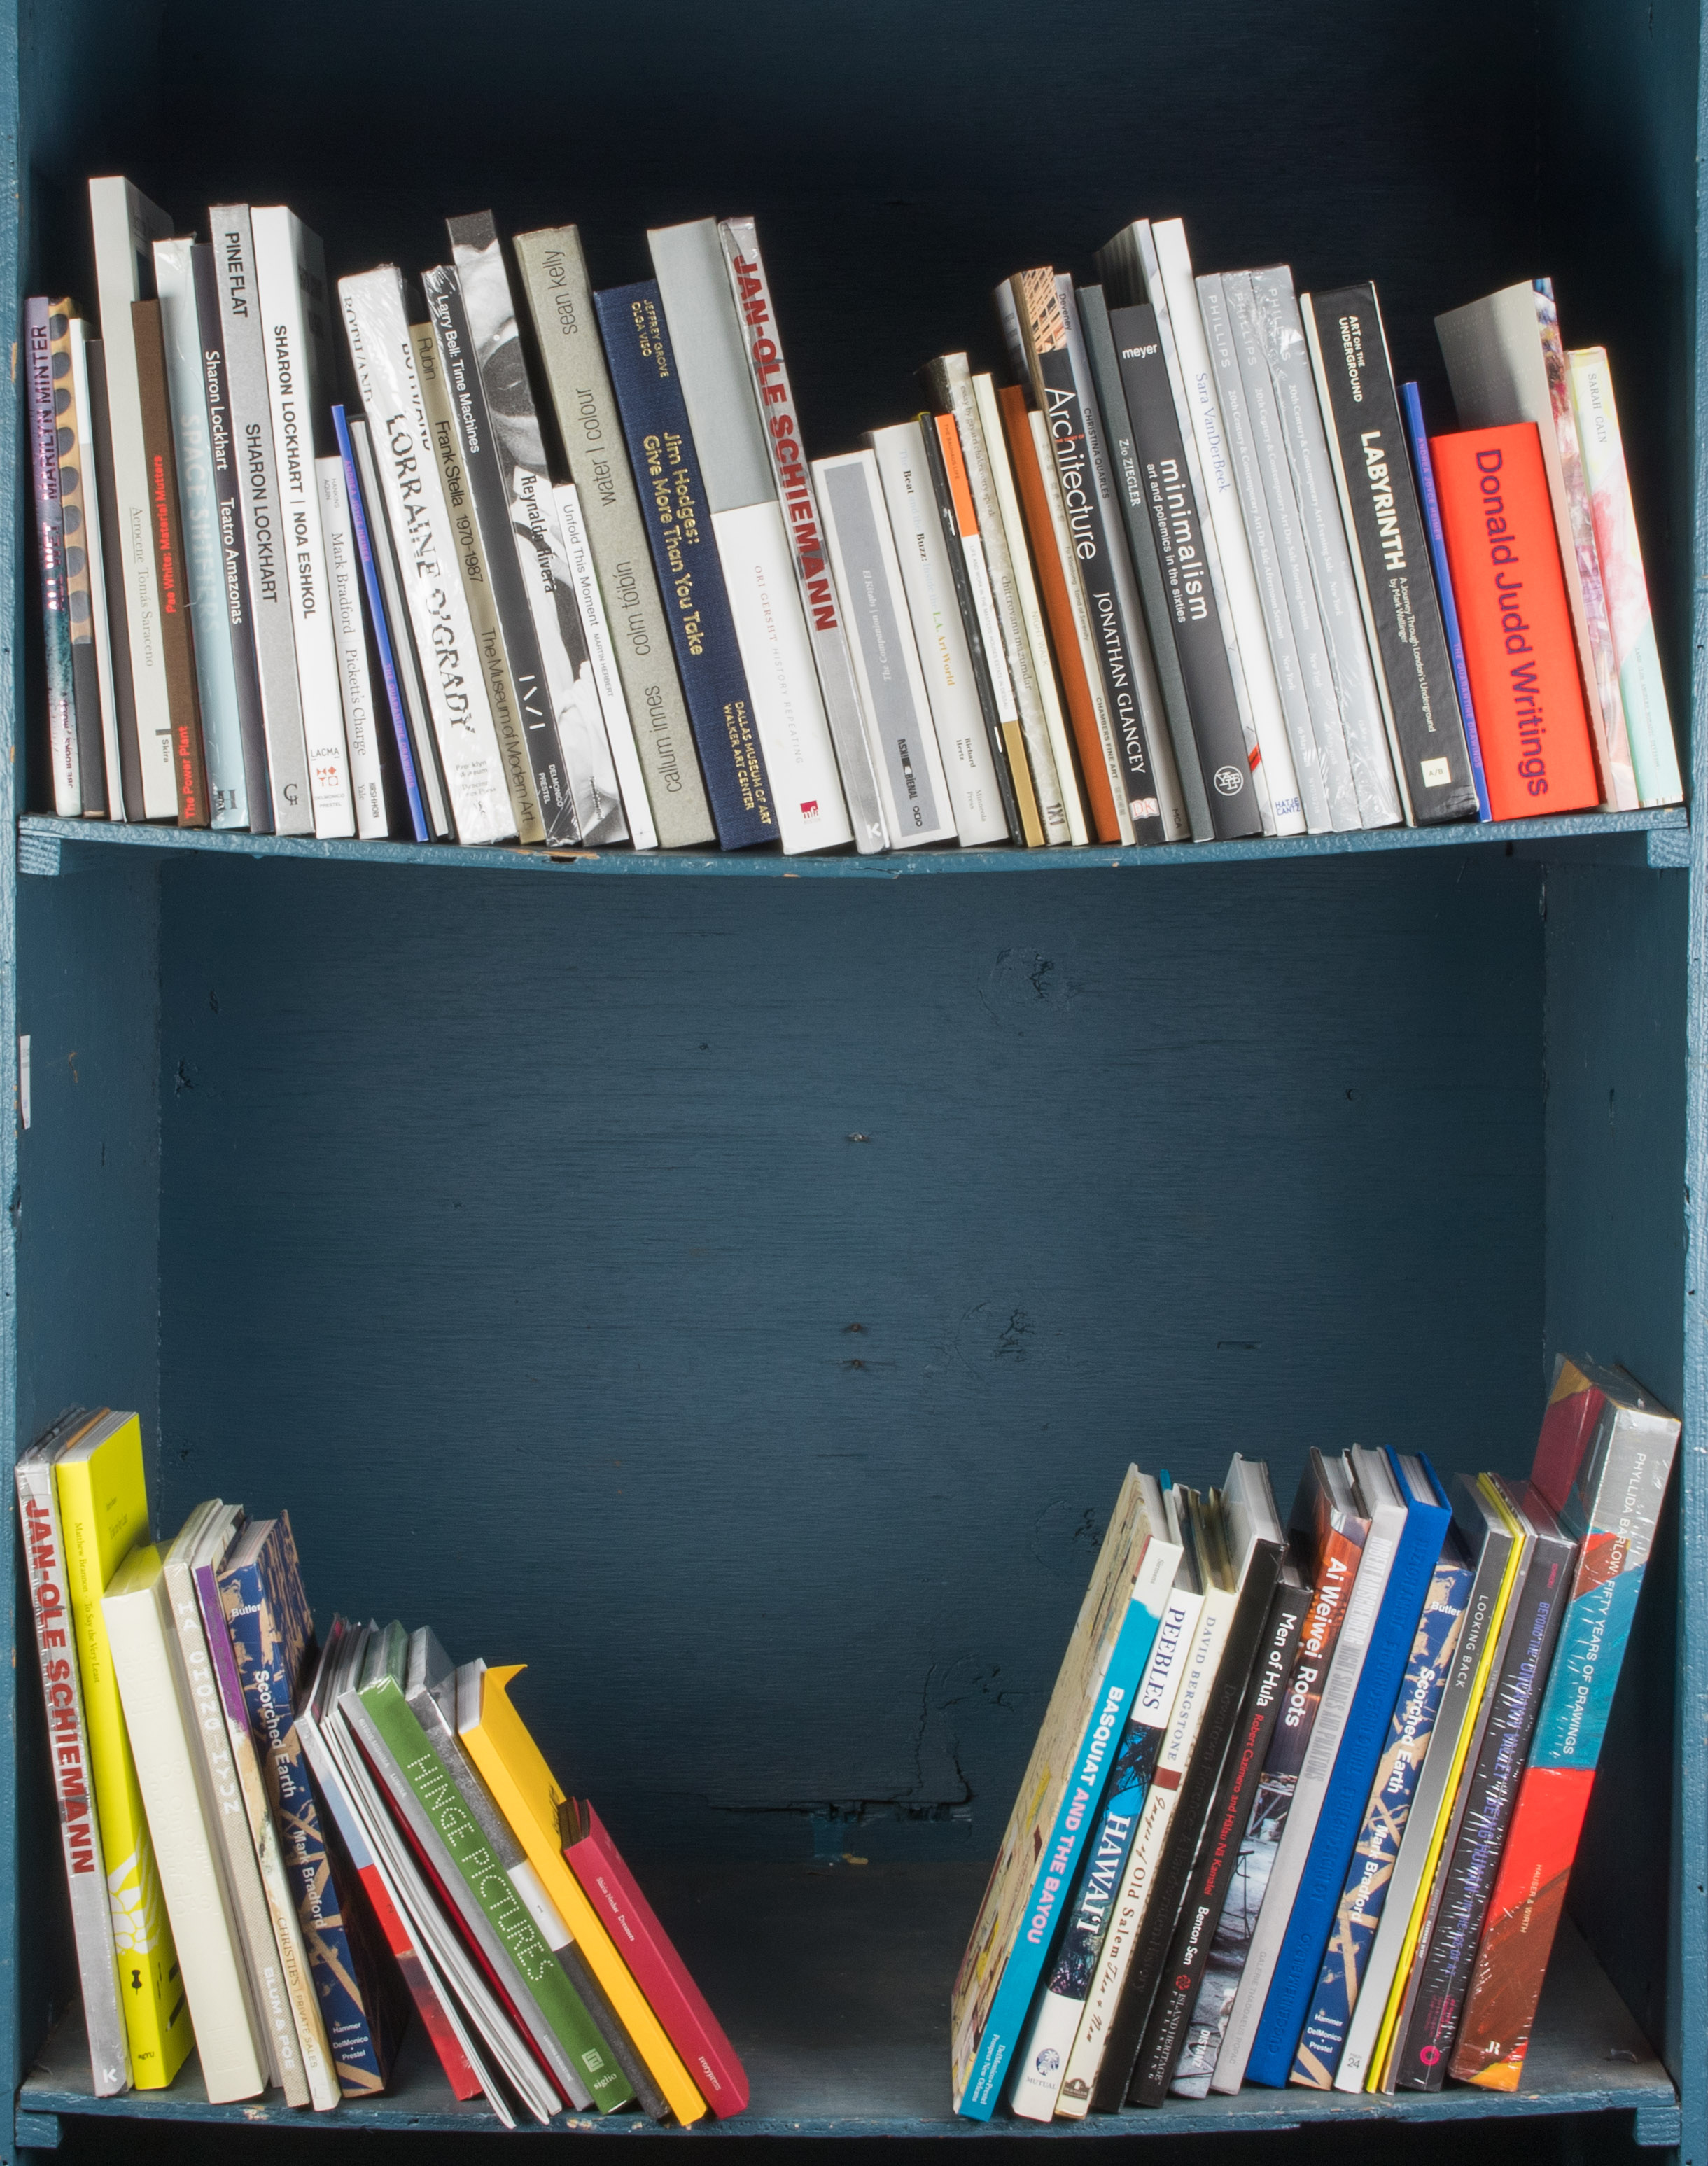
(303,1844)
(1305,1802)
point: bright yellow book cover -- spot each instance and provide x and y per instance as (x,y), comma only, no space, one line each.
(103,1510)
(528,1795)
(1384,2053)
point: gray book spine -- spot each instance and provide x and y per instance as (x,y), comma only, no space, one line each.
(270,606)
(1266,560)
(1315,670)
(560,303)
(1129,486)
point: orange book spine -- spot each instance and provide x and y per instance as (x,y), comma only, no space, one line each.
(1052,585)
(1519,651)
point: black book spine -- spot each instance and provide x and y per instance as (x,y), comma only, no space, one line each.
(1123,452)
(1218,1849)
(1172,517)
(1420,2061)
(228,507)
(1168,1890)
(130,776)
(939,471)
(1403,615)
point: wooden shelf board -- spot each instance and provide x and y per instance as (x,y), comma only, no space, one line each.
(834,1982)
(40,838)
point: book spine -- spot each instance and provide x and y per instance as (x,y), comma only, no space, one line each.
(972,593)
(234,604)
(1642,691)
(1145,1975)
(361,544)
(63,766)
(1047,2069)
(287,261)
(165,534)
(93,456)
(416,751)
(685,557)
(1421,2056)
(1221,509)
(1536,1863)
(1317,2060)
(1262,396)
(383,358)
(1003,482)
(270,608)
(1179,541)
(1602,696)
(68,1750)
(607,677)
(498,682)
(872,609)
(1076,1818)
(1141,544)
(77,487)
(1402,617)
(928,578)
(1429,500)
(768,373)
(124,226)
(1219,1846)
(344,595)
(203,565)
(560,303)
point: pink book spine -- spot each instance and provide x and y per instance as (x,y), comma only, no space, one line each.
(659,1971)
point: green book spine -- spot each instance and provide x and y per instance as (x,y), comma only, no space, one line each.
(436,1791)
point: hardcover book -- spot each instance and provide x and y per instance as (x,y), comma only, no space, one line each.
(166,536)
(64,767)
(94,453)
(560,303)
(1610,1503)
(76,501)
(1402,617)
(685,557)
(1429,500)
(1515,621)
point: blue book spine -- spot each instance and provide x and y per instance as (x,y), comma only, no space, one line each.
(1301,1959)
(678,520)
(1365,1895)
(1076,1817)
(381,629)
(1412,403)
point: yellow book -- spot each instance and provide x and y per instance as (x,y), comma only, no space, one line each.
(528,1795)
(1386,2036)
(103,1510)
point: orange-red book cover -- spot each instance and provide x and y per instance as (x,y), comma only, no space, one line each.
(1052,585)
(1516,621)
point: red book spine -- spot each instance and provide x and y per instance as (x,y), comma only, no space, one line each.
(1514,618)
(463,2081)
(659,1971)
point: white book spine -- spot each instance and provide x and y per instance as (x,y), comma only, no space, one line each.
(894,706)
(1314,1777)
(355,680)
(771,630)
(94,543)
(126,225)
(928,582)
(417,713)
(1082,623)
(68,1749)
(285,258)
(607,679)
(204,1931)
(1231,543)
(1185,1720)
(415,501)
(1047,2062)
(1030,610)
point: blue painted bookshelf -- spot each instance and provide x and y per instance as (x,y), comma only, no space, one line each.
(734,1289)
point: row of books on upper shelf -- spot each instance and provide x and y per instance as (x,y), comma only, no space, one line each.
(276,1850)
(560,570)
(1304,1804)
